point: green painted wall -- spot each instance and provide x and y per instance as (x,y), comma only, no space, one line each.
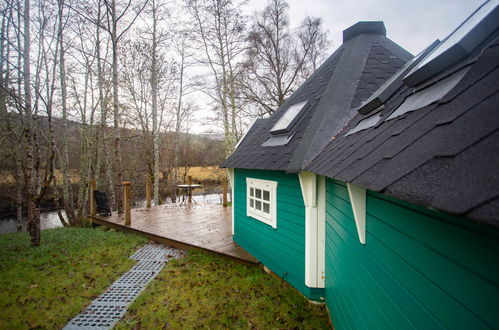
(281,249)
(419,268)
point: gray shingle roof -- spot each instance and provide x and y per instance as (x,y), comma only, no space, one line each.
(347,78)
(444,155)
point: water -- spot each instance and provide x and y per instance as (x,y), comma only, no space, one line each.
(51,219)
(47,220)
(200,199)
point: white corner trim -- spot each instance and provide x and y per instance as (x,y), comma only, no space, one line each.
(314,265)
(321,231)
(230,171)
(357,196)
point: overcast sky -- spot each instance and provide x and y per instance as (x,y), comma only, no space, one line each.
(412,24)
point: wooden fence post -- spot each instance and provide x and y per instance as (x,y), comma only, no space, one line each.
(126,202)
(91,199)
(224,191)
(148,192)
(189,190)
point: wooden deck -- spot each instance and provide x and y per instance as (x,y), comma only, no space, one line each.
(199,226)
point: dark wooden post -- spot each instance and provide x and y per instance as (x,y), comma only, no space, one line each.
(91,199)
(224,191)
(148,192)
(189,190)
(126,203)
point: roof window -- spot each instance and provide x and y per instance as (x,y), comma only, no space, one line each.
(365,124)
(459,44)
(278,140)
(430,94)
(288,119)
(393,84)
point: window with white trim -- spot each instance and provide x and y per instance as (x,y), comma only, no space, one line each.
(261,200)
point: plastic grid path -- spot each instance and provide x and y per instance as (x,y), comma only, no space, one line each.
(109,307)
(156,252)
(149,265)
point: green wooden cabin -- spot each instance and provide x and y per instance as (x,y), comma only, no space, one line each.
(411,205)
(274,217)
(375,187)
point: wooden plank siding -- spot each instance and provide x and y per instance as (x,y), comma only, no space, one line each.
(281,249)
(419,268)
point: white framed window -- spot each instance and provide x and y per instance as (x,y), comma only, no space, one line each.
(261,200)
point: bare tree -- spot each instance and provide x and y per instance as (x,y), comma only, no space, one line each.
(39,165)
(115,16)
(185,85)
(10,126)
(64,157)
(33,212)
(277,60)
(314,42)
(219,27)
(158,12)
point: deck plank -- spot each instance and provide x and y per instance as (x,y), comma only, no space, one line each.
(202,226)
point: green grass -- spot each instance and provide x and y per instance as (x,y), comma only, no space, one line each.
(45,287)
(206,291)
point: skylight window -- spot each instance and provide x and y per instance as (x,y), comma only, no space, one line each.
(429,95)
(365,124)
(278,140)
(288,119)
(393,84)
(460,43)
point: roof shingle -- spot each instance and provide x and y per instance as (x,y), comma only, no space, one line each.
(444,155)
(347,78)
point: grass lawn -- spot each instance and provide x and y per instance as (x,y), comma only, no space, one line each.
(45,287)
(206,291)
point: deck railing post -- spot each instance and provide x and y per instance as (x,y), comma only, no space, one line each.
(91,199)
(189,190)
(148,192)
(126,203)
(224,191)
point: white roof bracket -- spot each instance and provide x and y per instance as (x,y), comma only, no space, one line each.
(357,196)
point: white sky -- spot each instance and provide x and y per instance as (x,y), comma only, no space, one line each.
(412,24)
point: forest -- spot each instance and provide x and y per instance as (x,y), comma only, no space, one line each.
(115,90)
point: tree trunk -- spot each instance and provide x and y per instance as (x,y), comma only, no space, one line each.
(154,92)
(3,56)
(19,191)
(118,162)
(33,212)
(64,159)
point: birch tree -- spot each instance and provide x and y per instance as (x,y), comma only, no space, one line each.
(64,157)
(10,76)
(116,16)
(157,12)
(38,165)
(278,59)
(186,85)
(219,27)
